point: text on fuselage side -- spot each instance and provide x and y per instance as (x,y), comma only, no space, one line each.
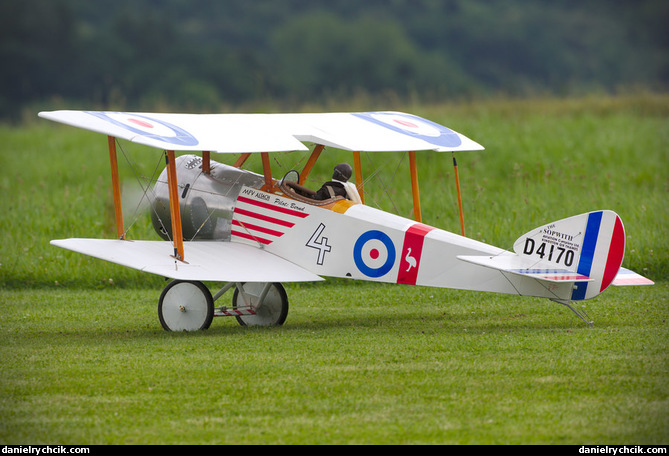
(268,198)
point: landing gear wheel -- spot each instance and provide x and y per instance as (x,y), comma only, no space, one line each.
(271,312)
(185,306)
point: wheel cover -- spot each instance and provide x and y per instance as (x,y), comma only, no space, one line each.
(185,306)
(272,312)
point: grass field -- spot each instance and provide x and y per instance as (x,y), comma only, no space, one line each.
(84,359)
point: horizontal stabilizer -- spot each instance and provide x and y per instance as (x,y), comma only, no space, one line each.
(205,260)
(625,277)
(519,265)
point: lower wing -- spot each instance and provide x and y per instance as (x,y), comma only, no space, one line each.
(205,260)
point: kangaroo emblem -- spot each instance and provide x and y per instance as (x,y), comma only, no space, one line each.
(409,259)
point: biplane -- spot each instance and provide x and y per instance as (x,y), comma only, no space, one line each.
(252,232)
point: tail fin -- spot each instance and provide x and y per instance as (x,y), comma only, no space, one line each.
(591,244)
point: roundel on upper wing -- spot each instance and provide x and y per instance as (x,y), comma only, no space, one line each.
(149,127)
(415,126)
(374,253)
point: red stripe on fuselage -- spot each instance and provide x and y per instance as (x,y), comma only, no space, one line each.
(250,226)
(250,237)
(265,218)
(411,253)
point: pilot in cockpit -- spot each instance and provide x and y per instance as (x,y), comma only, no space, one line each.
(337,186)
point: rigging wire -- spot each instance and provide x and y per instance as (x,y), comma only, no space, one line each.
(145,190)
(385,185)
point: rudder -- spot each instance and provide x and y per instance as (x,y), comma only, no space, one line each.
(591,244)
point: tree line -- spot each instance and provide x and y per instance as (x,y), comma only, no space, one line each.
(204,54)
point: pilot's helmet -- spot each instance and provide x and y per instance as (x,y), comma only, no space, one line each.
(342,172)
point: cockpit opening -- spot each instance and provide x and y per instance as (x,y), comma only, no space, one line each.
(339,188)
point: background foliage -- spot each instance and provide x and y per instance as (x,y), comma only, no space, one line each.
(203,54)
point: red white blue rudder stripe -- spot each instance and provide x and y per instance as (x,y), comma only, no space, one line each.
(601,254)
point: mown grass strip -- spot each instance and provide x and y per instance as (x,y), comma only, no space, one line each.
(353,364)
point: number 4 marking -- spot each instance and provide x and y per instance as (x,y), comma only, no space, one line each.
(322,245)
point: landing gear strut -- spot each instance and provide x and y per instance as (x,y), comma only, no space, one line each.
(189,305)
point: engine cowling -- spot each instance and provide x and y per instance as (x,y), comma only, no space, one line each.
(206,201)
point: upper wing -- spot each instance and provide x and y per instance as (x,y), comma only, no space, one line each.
(206,261)
(235,133)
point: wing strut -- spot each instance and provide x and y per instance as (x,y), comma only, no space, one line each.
(414,187)
(206,162)
(457,185)
(267,171)
(358,175)
(175,211)
(241,160)
(310,163)
(116,187)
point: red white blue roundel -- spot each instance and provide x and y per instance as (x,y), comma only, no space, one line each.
(149,127)
(374,253)
(415,126)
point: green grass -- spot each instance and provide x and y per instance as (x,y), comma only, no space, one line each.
(363,364)
(84,359)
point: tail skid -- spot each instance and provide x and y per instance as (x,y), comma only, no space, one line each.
(581,313)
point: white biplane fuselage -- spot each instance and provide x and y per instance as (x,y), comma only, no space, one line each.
(338,238)
(333,238)
(253,231)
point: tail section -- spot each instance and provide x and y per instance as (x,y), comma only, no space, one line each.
(591,245)
(576,258)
